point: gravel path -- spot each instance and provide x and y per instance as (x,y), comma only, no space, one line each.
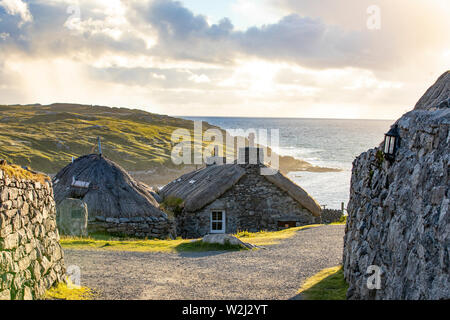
(275,273)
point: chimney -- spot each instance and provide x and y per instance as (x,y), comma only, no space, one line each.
(251,155)
(215,159)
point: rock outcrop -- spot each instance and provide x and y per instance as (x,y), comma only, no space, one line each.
(31,258)
(398,217)
(224,239)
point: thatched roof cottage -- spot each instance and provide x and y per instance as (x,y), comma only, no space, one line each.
(231,197)
(116,202)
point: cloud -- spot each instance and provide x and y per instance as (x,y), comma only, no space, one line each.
(163,78)
(305,41)
(319,53)
(17,7)
(165,29)
(411,32)
(184,35)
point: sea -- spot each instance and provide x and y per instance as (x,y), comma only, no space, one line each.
(332,143)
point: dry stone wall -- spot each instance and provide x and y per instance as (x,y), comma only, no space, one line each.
(331,215)
(139,227)
(31,258)
(398,214)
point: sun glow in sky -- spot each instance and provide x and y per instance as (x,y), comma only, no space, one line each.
(256,58)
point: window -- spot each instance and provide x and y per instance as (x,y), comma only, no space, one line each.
(217,221)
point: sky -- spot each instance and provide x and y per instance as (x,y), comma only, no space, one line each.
(369,59)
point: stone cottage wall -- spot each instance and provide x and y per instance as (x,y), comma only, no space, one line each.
(31,258)
(252,204)
(139,227)
(398,214)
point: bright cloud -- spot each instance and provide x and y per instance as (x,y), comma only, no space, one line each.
(17,7)
(291,58)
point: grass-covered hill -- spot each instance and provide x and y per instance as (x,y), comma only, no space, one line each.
(46,137)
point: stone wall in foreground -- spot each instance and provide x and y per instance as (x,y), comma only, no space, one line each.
(31,258)
(398,214)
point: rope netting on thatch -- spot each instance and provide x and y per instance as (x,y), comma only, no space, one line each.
(107,189)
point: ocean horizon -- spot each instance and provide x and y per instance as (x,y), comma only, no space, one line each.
(333,143)
(297,118)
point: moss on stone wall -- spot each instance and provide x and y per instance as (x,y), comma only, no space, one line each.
(31,258)
(15,171)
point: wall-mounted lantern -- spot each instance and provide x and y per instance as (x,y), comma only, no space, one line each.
(391,143)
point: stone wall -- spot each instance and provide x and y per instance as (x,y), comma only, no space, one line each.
(252,204)
(139,227)
(398,214)
(31,258)
(331,215)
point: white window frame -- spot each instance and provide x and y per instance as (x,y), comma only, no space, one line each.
(223,222)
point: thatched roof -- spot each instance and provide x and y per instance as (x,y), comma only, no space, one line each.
(201,187)
(296,192)
(107,189)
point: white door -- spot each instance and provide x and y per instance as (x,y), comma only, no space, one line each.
(217,221)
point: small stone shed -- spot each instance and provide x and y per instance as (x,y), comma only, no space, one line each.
(117,203)
(226,198)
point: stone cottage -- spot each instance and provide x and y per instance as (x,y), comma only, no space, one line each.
(226,198)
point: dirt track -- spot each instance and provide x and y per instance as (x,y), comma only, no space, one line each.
(275,273)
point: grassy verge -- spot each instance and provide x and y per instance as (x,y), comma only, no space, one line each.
(267,238)
(101,242)
(64,291)
(15,171)
(342,221)
(106,242)
(94,243)
(328,284)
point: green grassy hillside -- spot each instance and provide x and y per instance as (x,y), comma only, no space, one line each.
(46,137)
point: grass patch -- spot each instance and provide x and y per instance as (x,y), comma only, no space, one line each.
(177,245)
(108,242)
(328,284)
(139,245)
(267,238)
(63,291)
(342,221)
(100,241)
(14,171)
(172,206)
(199,246)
